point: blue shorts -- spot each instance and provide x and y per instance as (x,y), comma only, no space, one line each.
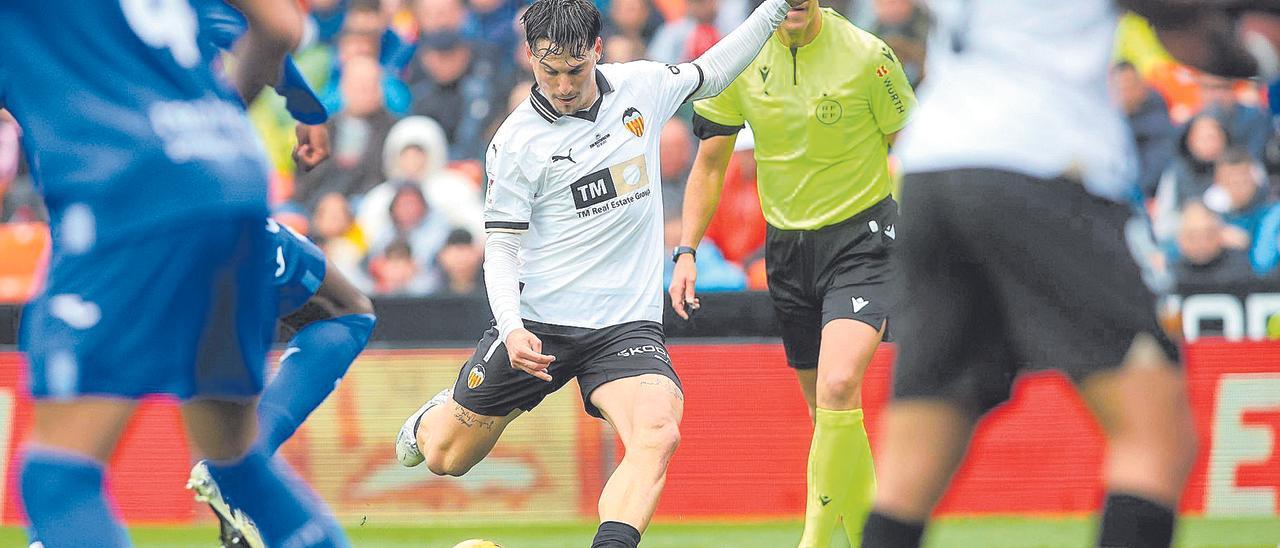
(185,311)
(297,265)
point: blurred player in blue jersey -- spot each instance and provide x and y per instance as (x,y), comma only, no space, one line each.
(331,318)
(156,189)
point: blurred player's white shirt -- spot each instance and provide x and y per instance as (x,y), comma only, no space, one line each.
(586,193)
(1021,85)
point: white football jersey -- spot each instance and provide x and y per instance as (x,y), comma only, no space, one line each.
(1021,85)
(585,192)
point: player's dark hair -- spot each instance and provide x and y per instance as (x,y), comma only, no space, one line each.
(571,26)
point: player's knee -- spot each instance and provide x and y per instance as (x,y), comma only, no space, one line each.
(443,463)
(660,437)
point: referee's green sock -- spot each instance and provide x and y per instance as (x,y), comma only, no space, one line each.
(842,479)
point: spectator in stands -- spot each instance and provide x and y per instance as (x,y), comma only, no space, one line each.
(416,153)
(634,18)
(1265,253)
(327,16)
(357,133)
(1204,259)
(365,34)
(490,24)
(454,91)
(1153,132)
(675,146)
(738,227)
(1190,173)
(334,229)
(1245,125)
(412,220)
(687,38)
(396,272)
(1238,194)
(460,265)
(623,49)
(367,17)
(904,27)
(440,15)
(714,272)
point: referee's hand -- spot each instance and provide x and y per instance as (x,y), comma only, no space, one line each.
(524,349)
(683,299)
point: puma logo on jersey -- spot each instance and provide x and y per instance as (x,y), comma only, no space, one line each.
(568,157)
(859,303)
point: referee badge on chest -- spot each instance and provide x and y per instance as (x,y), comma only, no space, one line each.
(634,121)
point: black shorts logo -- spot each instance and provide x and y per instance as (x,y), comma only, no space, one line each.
(593,189)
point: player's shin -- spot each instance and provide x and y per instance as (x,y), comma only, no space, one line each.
(316,359)
(285,512)
(65,502)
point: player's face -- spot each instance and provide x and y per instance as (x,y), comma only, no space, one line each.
(798,19)
(568,82)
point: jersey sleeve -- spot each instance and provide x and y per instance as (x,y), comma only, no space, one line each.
(671,85)
(719,115)
(508,202)
(892,98)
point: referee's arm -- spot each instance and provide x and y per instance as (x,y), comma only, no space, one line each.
(701,197)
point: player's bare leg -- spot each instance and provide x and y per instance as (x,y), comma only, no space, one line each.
(453,439)
(87,426)
(645,410)
(1151,447)
(840,472)
(924,441)
(63,470)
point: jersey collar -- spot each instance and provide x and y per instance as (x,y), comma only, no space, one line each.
(544,109)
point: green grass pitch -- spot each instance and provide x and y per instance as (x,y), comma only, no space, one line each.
(985,532)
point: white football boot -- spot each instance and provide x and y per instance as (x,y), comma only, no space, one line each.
(236,529)
(407,439)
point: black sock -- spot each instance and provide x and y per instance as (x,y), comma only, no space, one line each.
(615,534)
(1130,521)
(883,531)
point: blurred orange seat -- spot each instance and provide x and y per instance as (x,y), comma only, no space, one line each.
(23,249)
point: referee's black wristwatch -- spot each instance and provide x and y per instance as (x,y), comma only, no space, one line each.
(681,250)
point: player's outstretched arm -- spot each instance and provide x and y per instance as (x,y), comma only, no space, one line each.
(730,56)
(275,27)
(524,349)
(701,198)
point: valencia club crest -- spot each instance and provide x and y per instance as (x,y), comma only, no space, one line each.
(634,121)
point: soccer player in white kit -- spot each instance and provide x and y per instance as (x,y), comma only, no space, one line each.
(1014,248)
(573,260)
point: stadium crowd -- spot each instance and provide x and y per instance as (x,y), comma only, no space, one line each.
(415,89)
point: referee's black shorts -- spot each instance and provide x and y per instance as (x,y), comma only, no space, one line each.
(1004,272)
(841,271)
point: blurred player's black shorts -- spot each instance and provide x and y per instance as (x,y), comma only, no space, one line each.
(1004,272)
(841,271)
(488,385)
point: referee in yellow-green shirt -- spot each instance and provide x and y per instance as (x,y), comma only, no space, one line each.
(824,100)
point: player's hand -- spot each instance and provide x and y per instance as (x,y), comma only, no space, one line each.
(524,349)
(312,147)
(681,290)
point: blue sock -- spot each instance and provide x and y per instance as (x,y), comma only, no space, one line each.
(317,357)
(65,503)
(285,511)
